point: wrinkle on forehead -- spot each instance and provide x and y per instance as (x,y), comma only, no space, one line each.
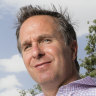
(40,24)
(40,19)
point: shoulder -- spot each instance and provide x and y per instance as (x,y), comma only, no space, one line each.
(86,92)
(88,87)
(87,81)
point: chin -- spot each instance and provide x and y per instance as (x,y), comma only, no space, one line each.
(45,79)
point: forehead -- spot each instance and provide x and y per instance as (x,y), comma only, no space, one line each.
(39,20)
(38,25)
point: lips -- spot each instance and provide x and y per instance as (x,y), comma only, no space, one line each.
(42,64)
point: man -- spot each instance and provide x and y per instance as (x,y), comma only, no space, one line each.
(47,42)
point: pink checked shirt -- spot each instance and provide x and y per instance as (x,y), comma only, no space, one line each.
(82,87)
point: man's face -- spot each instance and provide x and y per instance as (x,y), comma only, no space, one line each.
(44,52)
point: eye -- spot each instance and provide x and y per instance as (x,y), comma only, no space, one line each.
(47,40)
(27,47)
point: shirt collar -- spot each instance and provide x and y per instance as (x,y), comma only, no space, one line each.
(78,85)
(85,81)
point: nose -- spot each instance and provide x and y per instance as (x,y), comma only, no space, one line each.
(37,51)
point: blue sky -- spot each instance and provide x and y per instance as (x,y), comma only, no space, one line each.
(13,74)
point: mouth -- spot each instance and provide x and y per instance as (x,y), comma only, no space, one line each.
(42,65)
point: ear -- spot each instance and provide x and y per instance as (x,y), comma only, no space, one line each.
(74,48)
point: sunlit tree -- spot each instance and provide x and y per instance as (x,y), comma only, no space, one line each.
(89,62)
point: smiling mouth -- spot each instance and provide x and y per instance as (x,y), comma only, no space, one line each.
(41,65)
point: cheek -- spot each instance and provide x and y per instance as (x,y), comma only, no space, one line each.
(62,56)
(57,54)
(52,50)
(26,59)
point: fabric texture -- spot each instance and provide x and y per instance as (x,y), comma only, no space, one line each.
(81,87)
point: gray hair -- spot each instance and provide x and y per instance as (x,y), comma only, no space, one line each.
(63,19)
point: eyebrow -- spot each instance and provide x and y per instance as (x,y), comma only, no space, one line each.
(46,36)
(26,42)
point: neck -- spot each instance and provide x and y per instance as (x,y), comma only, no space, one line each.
(71,79)
(51,88)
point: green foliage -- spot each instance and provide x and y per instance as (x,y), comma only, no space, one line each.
(31,92)
(89,62)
